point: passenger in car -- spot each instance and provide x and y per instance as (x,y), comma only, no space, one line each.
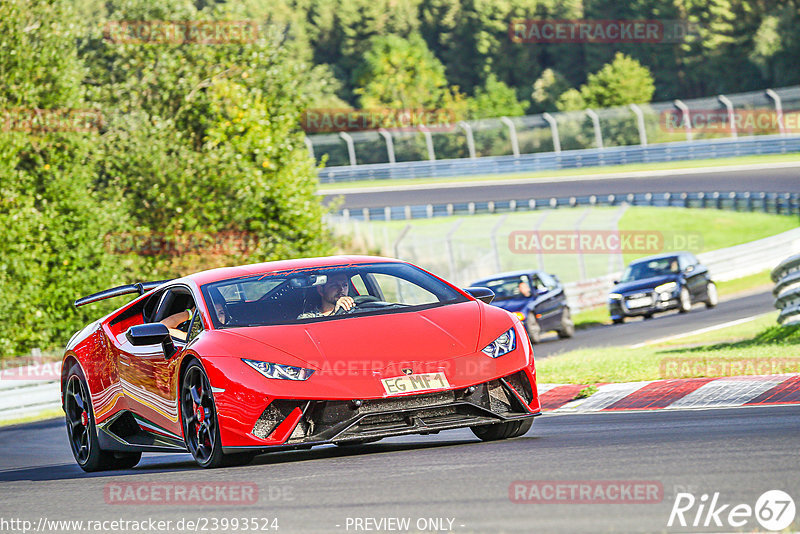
(173,321)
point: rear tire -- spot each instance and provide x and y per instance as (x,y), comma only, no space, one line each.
(567,329)
(712,299)
(82,431)
(618,320)
(512,429)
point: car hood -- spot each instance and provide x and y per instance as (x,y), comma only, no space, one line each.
(369,342)
(644,284)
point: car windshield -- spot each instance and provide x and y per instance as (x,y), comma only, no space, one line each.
(300,296)
(650,269)
(510,287)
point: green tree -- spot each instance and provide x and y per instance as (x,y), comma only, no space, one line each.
(495,99)
(623,81)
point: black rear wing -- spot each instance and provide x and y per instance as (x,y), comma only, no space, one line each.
(139,287)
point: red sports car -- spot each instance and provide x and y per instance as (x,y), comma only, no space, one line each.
(233,362)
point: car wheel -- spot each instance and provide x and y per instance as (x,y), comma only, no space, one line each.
(512,429)
(82,432)
(618,320)
(567,326)
(200,423)
(712,299)
(685,301)
(533,328)
(648,316)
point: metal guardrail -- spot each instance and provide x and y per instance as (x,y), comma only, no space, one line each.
(570,159)
(787,290)
(29,391)
(778,203)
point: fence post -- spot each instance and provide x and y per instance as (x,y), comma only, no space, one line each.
(396,245)
(389,144)
(778,109)
(428,141)
(310,147)
(470,140)
(351,148)
(598,134)
(640,123)
(497,263)
(512,133)
(553,131)
(725,101)
(687,119)
(448,241)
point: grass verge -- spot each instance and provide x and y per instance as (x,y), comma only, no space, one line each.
(756,347)
(41,416)
(566,173)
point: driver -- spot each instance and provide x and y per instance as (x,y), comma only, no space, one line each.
(333,297)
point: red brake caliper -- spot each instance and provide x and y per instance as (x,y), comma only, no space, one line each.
(84,418)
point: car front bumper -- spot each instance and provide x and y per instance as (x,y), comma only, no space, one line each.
(618,308)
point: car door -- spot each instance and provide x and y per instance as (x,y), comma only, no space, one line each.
(547,302)
(694,273)
(148,377)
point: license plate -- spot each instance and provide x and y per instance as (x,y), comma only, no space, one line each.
(640,302)
(409,383)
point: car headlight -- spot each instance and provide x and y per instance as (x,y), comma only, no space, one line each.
(614,296)
(278,371)
(520,316)
(664,288)
(502,345)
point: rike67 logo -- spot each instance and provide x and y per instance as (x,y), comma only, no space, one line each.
(774,510)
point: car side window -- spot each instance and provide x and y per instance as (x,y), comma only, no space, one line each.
(548,281)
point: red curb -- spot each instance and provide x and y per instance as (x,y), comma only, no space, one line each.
(559,396)
(787,391)
(659,394)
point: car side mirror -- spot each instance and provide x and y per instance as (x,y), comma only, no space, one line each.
(151,334)
(481,293)
(690,268)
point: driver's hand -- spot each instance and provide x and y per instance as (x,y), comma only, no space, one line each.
(344,303)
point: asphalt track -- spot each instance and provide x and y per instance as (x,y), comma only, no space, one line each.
(660,326)
(778,180)
(739,453)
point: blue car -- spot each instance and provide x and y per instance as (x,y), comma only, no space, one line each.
(659,283)
(536,297)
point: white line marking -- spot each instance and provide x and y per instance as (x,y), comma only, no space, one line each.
(559,179)
(700,331)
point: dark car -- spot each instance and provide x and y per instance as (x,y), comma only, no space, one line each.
(659,283)
(536,297)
